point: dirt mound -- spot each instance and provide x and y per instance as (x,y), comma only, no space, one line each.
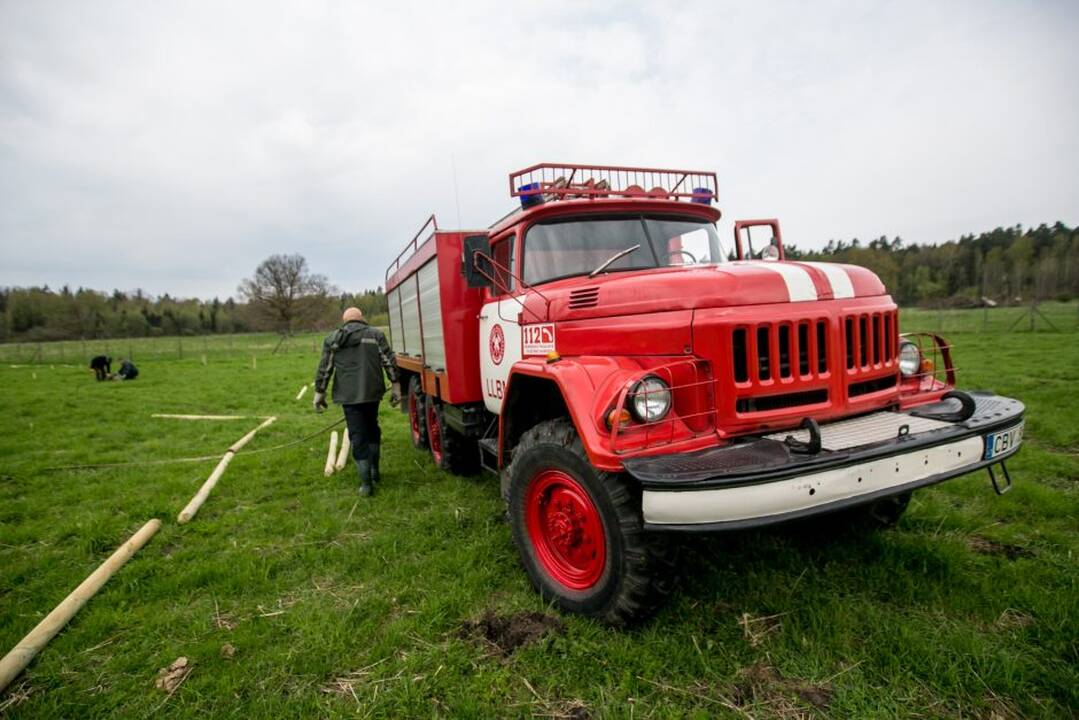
(762,685)
(506,633)
(985,546)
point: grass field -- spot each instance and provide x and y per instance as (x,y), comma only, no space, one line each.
(340,607)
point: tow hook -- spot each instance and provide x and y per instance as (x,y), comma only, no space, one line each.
(806,448)
(999,489)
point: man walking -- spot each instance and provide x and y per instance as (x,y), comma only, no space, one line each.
(355,354)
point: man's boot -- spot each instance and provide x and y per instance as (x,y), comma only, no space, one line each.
(363,467)
(375,475)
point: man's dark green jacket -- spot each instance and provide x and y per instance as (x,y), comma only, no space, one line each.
(354,354)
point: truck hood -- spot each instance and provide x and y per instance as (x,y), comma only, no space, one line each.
(731,284)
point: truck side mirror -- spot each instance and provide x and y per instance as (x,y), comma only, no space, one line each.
(476,263)
(743,241)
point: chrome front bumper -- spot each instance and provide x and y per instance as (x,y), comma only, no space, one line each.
(766,480)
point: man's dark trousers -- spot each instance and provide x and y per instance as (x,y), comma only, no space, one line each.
(363,431)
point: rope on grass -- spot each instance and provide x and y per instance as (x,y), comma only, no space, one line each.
(199,458)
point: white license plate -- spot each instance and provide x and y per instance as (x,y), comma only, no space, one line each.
(1003,442)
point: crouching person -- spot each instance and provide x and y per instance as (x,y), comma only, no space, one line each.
(354,355)
(127,371)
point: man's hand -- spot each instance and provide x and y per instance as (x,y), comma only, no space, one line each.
(319,402)
(395,394)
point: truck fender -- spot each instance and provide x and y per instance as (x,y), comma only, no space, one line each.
(578,388)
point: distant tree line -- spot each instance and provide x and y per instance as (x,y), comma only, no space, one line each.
(1007,265)
(282,296)
(41,313)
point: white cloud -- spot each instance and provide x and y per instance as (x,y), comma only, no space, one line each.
(173,147)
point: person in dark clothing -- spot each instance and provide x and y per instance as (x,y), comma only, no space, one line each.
(355,355)
(128,371)
(102,366)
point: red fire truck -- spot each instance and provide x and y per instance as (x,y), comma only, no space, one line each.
(629,375)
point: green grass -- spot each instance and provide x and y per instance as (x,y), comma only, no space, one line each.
(968,608)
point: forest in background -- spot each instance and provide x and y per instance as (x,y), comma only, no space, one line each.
(1006,265)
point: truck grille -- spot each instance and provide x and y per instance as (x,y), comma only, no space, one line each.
(870,340)
(780,350)
(790,364)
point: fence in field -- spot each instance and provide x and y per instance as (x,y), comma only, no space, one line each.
(164,348)
(1045,317)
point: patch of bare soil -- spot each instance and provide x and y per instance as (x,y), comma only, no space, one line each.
(506,633)
(985,546)
(760,685)
(570,709)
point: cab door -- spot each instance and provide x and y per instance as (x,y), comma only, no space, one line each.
(500,329)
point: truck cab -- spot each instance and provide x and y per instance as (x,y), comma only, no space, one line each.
(628,374)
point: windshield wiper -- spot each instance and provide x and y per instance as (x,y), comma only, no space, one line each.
(612,258)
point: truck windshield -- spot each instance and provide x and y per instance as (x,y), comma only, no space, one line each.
(559,249)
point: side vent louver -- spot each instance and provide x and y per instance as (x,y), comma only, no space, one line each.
(583,298)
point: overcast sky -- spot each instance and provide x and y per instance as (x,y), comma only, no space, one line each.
(173,146)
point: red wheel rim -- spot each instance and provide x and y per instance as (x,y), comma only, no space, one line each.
(434,433)
(414,416)
(566,529)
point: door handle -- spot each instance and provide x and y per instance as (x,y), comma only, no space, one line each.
(481,317)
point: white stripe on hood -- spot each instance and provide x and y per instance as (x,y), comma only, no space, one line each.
(799,284)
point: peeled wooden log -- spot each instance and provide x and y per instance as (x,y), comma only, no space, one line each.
(331,456)
(300,394)
(20,656)
(196,502)
(342,454)
(192,507)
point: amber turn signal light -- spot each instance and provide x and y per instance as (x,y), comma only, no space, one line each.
(621,417)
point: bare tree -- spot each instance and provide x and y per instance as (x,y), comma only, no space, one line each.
(286,293)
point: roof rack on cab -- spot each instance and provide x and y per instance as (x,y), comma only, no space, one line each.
(557,181)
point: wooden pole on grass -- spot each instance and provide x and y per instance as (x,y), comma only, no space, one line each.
(192,507)
(342,454)
(331,456)
(20,656)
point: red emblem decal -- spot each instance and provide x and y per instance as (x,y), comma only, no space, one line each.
(497,344)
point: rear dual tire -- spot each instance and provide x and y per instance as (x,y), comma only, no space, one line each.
(417,414)
(450,450)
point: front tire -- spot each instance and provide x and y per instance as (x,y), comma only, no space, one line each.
(579,531)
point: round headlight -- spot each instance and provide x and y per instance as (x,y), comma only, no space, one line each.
(910,358)
(651,399)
